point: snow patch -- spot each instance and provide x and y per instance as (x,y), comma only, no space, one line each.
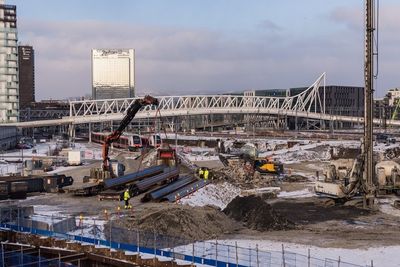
(297,194)
(212,194)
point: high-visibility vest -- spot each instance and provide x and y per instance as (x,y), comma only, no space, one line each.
(126,195)
(205,174)
(200,171)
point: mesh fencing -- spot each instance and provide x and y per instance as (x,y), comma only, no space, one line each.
(212,253)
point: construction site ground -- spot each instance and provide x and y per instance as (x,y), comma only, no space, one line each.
(317,221)
(309,219)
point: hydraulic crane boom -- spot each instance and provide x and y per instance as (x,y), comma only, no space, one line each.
(130,114)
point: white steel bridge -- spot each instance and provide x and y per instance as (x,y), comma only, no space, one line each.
(309,104)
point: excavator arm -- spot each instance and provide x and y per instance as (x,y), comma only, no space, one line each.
(130,114)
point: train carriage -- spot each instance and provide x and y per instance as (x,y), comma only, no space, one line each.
(127,140)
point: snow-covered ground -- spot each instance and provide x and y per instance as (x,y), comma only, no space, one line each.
(381,256)
(91,151)
(306,192)
(386,206)
(212,194)
(269,253)
(221,195)
(88,226)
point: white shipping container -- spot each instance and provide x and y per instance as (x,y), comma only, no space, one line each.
(75,157)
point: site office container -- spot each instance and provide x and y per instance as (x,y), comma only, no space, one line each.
(18,190)
(75,157)
(53,183)
(3,190)
(34,184)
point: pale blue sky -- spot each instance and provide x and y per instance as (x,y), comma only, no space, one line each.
(211,14)
(206,45)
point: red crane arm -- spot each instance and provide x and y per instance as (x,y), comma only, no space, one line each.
(130,114)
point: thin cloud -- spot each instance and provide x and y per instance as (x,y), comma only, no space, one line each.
(270,26)
(190,61)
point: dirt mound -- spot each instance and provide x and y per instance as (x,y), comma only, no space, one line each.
(256,214)
(183,221)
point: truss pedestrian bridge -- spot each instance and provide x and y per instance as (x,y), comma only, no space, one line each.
(308,104)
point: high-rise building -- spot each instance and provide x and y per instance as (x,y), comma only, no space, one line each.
(26,61)
(9,89)
(113,73)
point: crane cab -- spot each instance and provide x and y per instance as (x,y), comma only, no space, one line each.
(167,156)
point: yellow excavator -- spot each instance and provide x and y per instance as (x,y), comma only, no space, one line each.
(267,165)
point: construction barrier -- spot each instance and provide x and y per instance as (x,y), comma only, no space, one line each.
(212,253)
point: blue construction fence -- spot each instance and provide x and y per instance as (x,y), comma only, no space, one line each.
(212,253)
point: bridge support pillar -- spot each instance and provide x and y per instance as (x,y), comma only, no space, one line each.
(90,132)
(71,132)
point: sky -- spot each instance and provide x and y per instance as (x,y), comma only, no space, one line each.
(207,46)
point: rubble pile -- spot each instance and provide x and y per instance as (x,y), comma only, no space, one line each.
(256,214)
(238,176)
(150,158)
(392,153)
(344,152)
(304,155)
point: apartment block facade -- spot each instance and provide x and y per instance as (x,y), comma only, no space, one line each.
(9,86)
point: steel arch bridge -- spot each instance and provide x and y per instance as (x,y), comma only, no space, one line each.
(308,104)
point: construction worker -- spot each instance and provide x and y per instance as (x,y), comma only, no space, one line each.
(206,172)
(201,173)
(127,196)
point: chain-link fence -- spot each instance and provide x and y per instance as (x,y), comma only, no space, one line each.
(212,253)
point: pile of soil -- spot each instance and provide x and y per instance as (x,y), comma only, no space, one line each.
(256,214)
(306,211)
(183,221)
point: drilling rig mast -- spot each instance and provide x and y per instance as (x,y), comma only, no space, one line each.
(368,175)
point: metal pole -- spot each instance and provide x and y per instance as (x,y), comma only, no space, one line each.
(176,134)
(338,262)
(110,231)
(237,257)
(216,252)
(18,218)
(173,251)
(2,255)
(193,252)
(283,256)
(249,256)
(155,246)
(368,106)
(40,260)
(228,259)
(138,241)
(258,262)
(309,258)
(90,132)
